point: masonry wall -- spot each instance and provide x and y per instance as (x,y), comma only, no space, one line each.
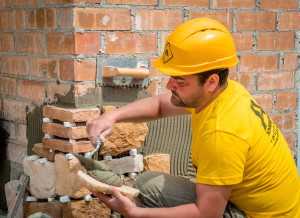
(49,51)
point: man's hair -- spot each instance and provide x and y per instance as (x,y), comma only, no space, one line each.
(222,73)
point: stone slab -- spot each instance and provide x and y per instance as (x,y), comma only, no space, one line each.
(129,164)
(157,162)
(40,151)
(77,132)
(70,115)
(66,146)
(96,186)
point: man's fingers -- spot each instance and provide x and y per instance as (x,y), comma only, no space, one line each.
(114,192)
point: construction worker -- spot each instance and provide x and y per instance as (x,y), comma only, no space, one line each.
(244,167)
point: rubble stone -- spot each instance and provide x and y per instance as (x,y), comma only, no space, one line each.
(41,183)
(52,208)
(40,151)
(157,162)
(129,164)
(10,190)
(65,179)
(86,209)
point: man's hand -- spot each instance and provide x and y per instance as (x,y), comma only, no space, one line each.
(117,202)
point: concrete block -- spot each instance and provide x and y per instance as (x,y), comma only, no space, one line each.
(82,208)
(157,162)
(40,151)
(77,132)
(65,179)
(129,164)
(41,183)
(10,189)
(70,115)
(66,146)
(52,208)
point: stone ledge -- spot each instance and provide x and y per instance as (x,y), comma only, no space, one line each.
(66,146)
(77,132)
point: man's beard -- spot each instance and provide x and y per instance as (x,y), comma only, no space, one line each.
(177,101)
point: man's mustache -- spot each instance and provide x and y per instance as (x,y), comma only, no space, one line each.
(174,93)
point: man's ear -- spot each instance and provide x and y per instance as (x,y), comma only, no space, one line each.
(212,82)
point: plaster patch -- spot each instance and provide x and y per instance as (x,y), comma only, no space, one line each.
(105,20)
(113,38)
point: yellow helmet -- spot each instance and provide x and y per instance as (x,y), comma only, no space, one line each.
(197,46)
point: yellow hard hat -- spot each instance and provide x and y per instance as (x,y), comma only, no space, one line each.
(197,46)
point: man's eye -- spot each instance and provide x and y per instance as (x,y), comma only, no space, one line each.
(180,82)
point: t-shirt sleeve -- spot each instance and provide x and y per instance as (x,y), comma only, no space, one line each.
(221,159)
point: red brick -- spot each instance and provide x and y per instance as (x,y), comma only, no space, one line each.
(234,4)
(7,85)
(284,121)
(246,79)
(126,43)
(55,2)
(243,41)
(164,86)
(286,100)
(85,70)
(70,115)
(29,43)
(233,69)
(60,43)
(276,41)
(7,42)
(67,68)
(289,21)
(88,1)
(224,17)
(6,20)
(87,43)
(15,65)
(102,19)
(32,90)
(16,153)
(132,2)
(256,21)
(158,19)
(5,4)
(19,18)
(258,62)
(83,89)
(22,3)
(153,88)
(77,132)
(42,18)
(54,89)
(290,61)
(44,67)
(290,139)
(14,109)
(191,3)
(21,134)
(164,37)
(265,100)
(279,4)
(275,80)
(66,18)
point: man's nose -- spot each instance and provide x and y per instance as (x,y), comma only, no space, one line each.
(170,84)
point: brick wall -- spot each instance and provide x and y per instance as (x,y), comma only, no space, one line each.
(50,47)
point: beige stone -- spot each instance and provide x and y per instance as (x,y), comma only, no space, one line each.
(41,182)
(10,190)
(126,136)
(65,179)
(40,151)
(52,208)
(157,162)
(96,186)
(86,209)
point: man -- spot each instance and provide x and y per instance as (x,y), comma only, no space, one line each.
(238,153)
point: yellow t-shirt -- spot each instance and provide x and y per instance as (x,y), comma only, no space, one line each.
(236,143)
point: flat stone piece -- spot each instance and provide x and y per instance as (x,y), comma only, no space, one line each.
(70,115)
(40,151)
(77,132)
(41,182)
(129,164)
(157,162)
(10,190)
(65,179)
(52,208)
(96,186)
(126,136)
(82,208)
(68,147)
